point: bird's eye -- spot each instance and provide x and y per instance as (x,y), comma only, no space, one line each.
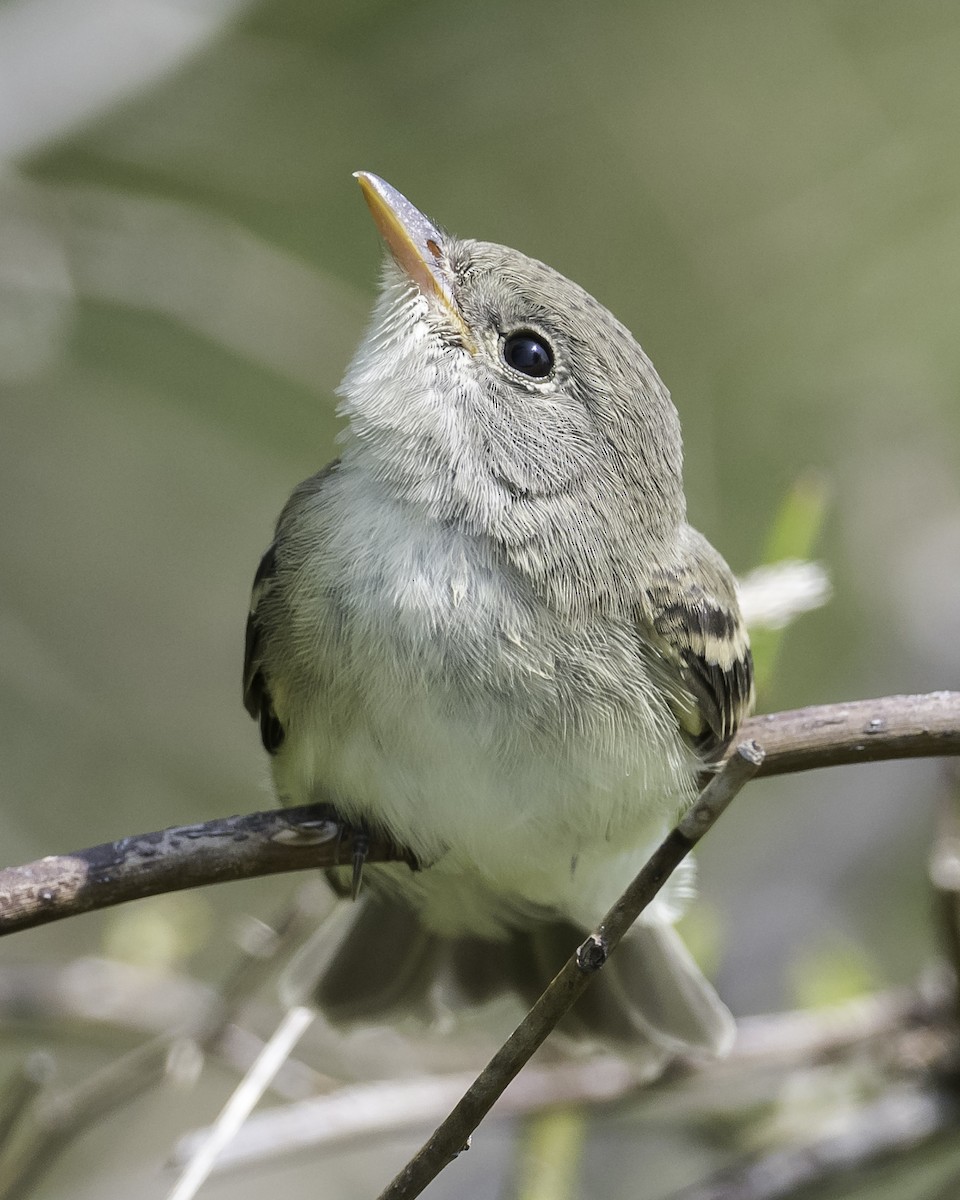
(528,353)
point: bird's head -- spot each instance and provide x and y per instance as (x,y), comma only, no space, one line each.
(497,393)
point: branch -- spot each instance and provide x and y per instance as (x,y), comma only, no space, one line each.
(296,839)
(834,735)
(185,856)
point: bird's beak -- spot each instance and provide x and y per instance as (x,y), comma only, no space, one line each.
(417,245)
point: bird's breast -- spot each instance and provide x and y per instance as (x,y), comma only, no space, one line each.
(431,692)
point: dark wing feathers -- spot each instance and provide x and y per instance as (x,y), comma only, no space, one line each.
(701,657)
(256,684)
(256,694)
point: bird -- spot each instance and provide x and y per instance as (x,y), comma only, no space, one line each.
(488,632)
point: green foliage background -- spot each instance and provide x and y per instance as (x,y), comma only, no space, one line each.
(767,194)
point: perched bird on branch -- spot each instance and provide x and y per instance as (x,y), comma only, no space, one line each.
(488,630)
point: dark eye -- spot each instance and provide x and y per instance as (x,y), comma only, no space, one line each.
(528,353)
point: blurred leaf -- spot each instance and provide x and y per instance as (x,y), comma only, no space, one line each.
(158,933)
(550,1152)
(799,521)
(829,974)
(702,929)
(793,535)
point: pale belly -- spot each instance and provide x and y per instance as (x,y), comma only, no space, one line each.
(526,758)
(505,819)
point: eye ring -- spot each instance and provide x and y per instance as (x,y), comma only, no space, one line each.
(529,353)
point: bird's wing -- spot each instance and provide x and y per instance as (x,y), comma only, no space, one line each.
(256,683)
(698,648)
(256,692)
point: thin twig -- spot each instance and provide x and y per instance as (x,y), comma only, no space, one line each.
(295,839)
(453,1134)
(944,868)
(766,1048)
(359,1112)
(57,1118)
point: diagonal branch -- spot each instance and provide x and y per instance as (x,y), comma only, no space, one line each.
(296,839)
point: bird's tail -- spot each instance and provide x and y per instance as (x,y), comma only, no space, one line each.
(372,962)
(649,1000)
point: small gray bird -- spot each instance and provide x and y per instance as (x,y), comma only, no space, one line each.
(488,630)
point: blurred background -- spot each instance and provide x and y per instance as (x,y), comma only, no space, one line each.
(767,195)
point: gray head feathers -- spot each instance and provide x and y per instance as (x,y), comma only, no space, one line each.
(584,463)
